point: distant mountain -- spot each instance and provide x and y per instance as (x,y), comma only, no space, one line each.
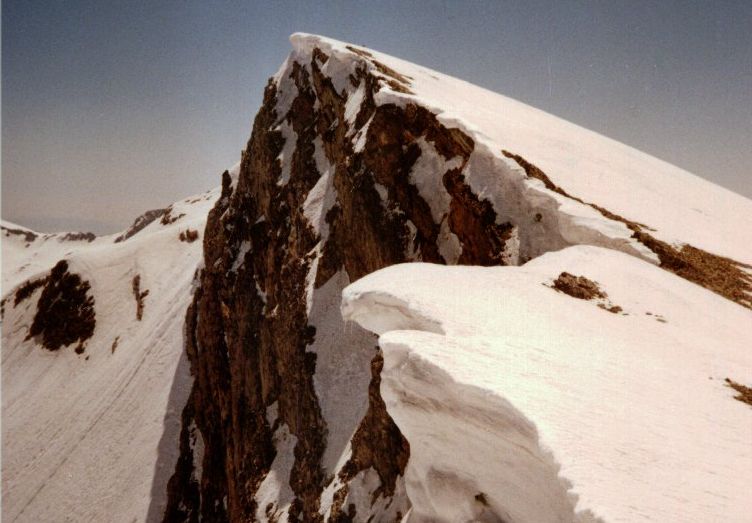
(595,368)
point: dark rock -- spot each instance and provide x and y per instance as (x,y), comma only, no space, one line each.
(77,237)
(140,223)
(65,311)
(29,236)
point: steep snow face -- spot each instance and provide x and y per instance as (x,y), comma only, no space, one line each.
(93,436)
(679,206)
(524,403)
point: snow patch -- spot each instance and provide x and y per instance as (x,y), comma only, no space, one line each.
(288,149)
(245,248)
(412,250)
(449,244)
(362,489)
(383,194)
(341,63)
(327,495)
(272,413)
(275,488)
(511,254)
(322,197)
(287,90)
(360,493)
(354,101)
(310,280)
(359,142)
(261,293)
(197,450)
(342,374)
(427,175)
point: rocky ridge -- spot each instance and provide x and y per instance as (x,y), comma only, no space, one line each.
(348,171)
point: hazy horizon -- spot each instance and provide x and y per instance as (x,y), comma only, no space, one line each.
(110,110)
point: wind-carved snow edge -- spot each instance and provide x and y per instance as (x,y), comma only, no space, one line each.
(420,394)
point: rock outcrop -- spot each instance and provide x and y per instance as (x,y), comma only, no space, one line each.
(65,310)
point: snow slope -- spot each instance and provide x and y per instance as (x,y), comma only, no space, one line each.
(680,207)
(94,436)
(522,403)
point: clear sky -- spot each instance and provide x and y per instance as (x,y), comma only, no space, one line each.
(112,108)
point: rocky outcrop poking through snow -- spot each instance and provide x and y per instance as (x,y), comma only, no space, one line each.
(139,296)
(140,223)
(27,234)
(65,310)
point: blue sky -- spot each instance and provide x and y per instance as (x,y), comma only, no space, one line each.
(112,108)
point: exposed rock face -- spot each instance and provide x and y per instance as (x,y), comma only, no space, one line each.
(744,393)
(168,217)
(285,419)
(324,197)
(25,290)
(188,236)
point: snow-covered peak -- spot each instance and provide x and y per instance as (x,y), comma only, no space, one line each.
(678,206)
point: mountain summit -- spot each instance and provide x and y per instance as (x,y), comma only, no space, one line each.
(417,300)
